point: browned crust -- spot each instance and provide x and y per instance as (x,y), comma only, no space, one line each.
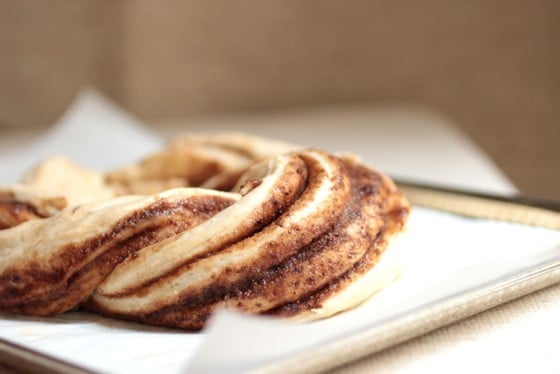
(298,275)
(285,192)
(394,211)
(13,213)
(68,277)
(306,264)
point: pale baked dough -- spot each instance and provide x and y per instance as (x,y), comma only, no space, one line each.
(303,235)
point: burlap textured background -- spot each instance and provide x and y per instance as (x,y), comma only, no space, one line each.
(492,67)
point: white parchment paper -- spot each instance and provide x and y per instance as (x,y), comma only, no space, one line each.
(93,133)
(440,255)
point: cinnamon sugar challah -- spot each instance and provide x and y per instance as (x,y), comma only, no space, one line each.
(299,236)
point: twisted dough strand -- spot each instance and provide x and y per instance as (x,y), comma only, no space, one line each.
(304,227)
(50,266)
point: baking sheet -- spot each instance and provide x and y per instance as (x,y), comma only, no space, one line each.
(442,257)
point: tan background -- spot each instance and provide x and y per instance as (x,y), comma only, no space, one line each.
(492,67)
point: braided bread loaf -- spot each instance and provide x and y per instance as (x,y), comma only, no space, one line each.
(298,237)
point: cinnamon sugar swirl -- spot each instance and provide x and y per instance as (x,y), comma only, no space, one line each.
(299,236)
